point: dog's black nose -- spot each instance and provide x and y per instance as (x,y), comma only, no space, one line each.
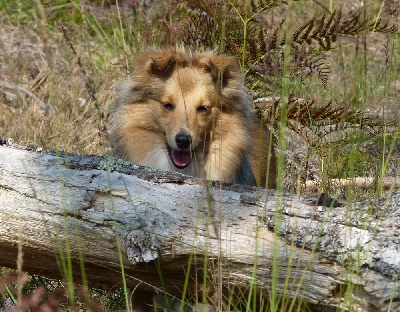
(182,140)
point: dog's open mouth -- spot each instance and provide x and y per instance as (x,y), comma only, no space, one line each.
(180,159)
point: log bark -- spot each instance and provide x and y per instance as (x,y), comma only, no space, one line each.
(104,214)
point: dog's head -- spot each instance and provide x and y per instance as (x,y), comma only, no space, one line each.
(188,92)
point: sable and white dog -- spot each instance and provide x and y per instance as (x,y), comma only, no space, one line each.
(190,113)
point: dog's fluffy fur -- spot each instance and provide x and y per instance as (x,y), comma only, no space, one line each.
(189,112)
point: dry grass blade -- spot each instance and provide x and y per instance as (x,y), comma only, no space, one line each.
(9,85)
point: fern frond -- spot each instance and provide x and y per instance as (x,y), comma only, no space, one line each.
(385,28)
(263,56)
(314,123)
(303,32)
(198,32)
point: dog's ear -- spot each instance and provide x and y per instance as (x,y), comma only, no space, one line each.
(156,63)
(163,63)
(224,70)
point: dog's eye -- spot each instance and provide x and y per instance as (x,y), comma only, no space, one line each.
(202,109)
(168,106)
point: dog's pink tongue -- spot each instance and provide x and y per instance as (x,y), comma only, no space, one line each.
(181,158)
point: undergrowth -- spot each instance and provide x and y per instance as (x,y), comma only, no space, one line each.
(325,79)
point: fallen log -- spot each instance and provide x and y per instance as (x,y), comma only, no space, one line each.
(69,212)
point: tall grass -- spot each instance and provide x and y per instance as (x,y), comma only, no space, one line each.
(78,50)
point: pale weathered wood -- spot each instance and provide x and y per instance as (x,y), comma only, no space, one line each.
(358,182)
(53,205)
